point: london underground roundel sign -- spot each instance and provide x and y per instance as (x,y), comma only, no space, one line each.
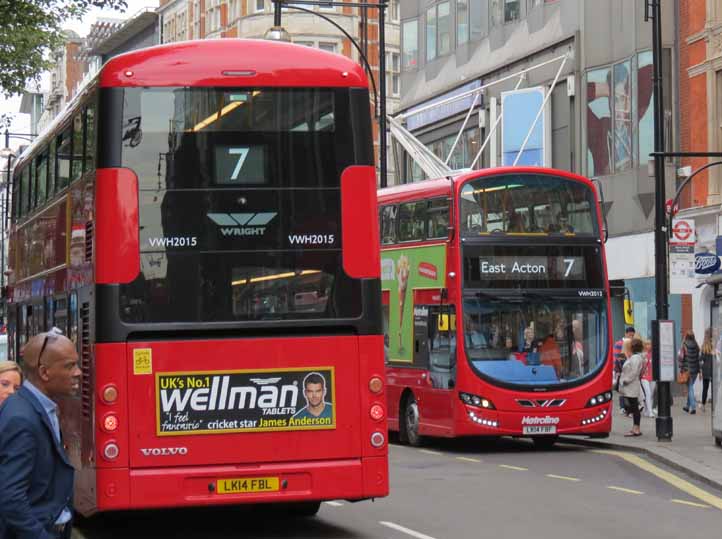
(682,230)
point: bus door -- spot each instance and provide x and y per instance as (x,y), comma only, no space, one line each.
(435,346)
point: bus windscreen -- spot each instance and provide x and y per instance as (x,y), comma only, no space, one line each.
(239,203)
(537,204)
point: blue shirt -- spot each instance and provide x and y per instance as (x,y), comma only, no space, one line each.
(51,410)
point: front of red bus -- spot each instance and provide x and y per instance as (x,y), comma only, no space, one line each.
(535,306)
(238,349)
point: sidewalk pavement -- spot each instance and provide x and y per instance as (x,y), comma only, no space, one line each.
(692,449)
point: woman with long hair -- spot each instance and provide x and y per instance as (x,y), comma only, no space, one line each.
(706,360)
(11,377)
(690,365)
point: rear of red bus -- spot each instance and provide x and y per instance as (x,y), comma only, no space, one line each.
(535,357)
(237,354)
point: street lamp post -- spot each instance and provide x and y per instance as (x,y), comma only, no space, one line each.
(279,33)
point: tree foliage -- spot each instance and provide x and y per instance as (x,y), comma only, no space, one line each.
(29,30)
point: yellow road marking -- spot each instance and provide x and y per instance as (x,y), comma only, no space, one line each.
(693,504)
(564,477)
(429,452)
(509,467)
(670,478)
(627,490)
(467,459)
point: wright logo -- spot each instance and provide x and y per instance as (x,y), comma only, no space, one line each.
(242,224)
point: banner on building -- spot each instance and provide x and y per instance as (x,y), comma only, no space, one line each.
(682,278)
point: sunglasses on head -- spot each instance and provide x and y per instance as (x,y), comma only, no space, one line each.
(53,333)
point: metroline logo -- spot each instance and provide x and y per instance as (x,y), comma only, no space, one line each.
(242,224)
(533,420)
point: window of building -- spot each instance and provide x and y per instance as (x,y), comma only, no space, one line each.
(323,7)
(304,43)
(394,11)
(327,46)
(476,18)
(410,44)
(393,75)
(213,15)
(511,10)
(496,12)
(645,106)
(431,33)
(623,115)
(462,21)
(599,122)
(445,28)
(259,5)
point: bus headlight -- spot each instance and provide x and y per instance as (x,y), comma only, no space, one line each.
(596,400)
(476,400)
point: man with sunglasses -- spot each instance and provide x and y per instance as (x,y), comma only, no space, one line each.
(36,476)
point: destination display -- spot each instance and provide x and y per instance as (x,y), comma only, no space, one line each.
(539,267)
(521,267)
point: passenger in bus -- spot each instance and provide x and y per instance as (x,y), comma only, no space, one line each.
(10,379)
(516,222)
(473,337)
(550,354)
(35,500)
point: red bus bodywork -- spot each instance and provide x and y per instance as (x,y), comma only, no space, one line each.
(112,431)
(441,412)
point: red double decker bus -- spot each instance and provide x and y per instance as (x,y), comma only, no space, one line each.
(201,221)
(496,305)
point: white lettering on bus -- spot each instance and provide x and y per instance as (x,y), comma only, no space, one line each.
(228,398)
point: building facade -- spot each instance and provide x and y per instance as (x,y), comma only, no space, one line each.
(597,120)
(700,106)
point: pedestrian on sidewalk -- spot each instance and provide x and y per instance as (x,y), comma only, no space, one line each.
(706,360)
(630,385)
(647,381)
(690,365)
(619,359)
(37,477)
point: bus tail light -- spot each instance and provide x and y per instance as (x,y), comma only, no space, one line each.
(110,394)
(378,439)
(377,412)
(376,385)
(111,451)
(110,423)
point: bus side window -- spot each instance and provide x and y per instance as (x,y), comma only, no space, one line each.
(438,219)
(90,137)
(412,221)
(76,169)
(63,156)
(60,314)
(388,224)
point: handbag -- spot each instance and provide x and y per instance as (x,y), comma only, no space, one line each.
(683,377)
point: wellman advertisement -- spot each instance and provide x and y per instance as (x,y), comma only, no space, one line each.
(216,402)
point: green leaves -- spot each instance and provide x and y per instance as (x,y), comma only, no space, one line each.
(30,30)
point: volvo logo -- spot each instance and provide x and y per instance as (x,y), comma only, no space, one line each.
(164,451)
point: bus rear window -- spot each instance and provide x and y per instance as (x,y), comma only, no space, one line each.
(240,202)
(527,204)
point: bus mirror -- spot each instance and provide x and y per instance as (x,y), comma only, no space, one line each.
(628,311)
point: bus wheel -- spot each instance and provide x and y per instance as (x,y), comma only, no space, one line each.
(303,509)
(411,421)
(544,442)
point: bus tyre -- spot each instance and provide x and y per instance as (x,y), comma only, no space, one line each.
(544,442)
(411,422)
(303,509)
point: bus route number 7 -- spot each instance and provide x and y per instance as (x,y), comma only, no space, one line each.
(570,264)
(242,153)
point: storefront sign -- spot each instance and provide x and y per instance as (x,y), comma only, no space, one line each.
(706,263)
(434,114)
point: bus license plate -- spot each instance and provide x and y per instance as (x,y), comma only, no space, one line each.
(240,485)
(540,429)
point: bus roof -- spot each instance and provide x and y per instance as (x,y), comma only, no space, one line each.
(442,186)
(232,62)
